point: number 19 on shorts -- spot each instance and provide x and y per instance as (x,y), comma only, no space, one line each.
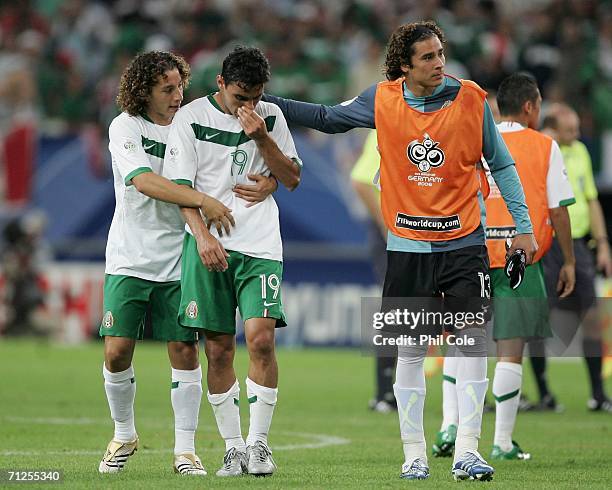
(270,287)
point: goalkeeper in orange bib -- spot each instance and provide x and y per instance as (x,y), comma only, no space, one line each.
(432,131)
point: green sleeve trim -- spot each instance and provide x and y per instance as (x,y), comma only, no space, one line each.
(450,379)
(134,173)
(567,202)
(298,162)
(175,384)
(507,396)
(183,182)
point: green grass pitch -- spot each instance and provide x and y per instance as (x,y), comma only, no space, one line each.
(53,415)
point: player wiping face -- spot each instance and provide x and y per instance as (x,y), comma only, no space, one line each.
(233,96)
(240,101)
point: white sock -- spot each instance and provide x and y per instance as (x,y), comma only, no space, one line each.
(409,372)
(186,395)
(506,390)
(120,392)
(472,368)
(450,411)
(410,403)
(470,398)
(262,401)
(409,389)
(227,413)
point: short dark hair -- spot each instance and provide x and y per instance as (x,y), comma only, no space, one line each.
(246,66)
(400,48)
(550,121)
(514,91)
(141,75)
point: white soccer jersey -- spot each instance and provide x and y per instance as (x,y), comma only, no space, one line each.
(208,149)
(146,235)
(558,187)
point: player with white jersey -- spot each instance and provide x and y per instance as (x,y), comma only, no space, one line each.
(214,143)
(143,256)
(520,310)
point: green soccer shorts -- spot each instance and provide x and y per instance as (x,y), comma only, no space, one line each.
(209,299)
(521,312)
(126,300)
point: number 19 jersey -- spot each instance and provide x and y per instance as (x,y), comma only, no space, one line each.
(208,150)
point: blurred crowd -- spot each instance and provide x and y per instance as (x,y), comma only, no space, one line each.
(61,59)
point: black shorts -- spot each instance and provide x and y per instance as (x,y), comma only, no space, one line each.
(583,295)
(460,277)
(461,273)
(377,246)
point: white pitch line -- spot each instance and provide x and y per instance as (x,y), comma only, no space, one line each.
(317,440)
(78,421)
(52,420)
(320,440)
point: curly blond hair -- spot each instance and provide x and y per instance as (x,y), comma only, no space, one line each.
(142,74)
(401,45)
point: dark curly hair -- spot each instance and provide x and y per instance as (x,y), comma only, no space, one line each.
(142,74)
(401,45)
(246,66)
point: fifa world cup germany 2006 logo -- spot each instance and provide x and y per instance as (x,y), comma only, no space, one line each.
(425,154)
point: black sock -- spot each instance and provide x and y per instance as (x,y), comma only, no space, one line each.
(592,349)
(385,367)
(537,354)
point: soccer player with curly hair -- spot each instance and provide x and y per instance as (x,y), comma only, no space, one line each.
(432,130)
(143,255)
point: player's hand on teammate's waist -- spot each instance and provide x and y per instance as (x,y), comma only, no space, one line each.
(257,192)
(216,213)
(252,123)
(525,242)
(212,253)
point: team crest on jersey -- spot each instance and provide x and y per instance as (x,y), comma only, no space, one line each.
(174,151)
(425,154)
(129,146)
(192,310)
(108,320)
